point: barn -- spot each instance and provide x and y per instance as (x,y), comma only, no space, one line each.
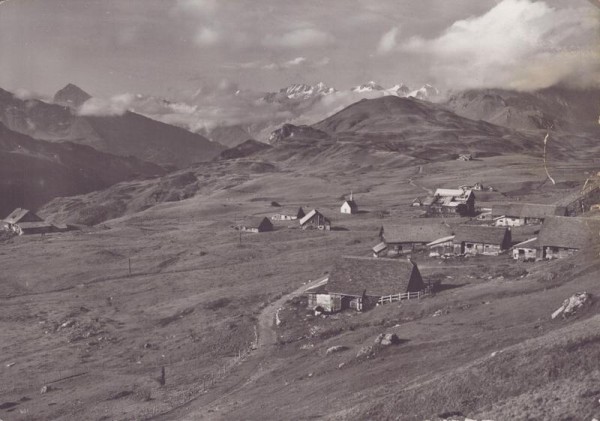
(402,238)
(288,215)
(477,239)
(315,220)
(451,202)
(441,247)
(359,283)
(259,224)
(519,214)
(23,222)
(526,251)
(563,236)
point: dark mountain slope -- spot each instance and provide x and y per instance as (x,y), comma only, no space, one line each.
(555,108)
(247,148)
(127,134)
(422,129)
(35,171)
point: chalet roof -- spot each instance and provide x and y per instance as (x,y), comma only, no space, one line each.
(308,216)
(414,233)
(379,247)
(351,203)
(19,213)
(441,240)
(33,225)
(480,234)
(531,243)
(568,232)
(376,276)
(450,197)
(311,215)
(454,193)
(527,210)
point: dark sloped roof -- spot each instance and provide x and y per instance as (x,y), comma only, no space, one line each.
(527,210)
(377,276)
(480,234)
(19,214)
(352,204)
(568,232)
(34,225)
(256,221)
(415,233)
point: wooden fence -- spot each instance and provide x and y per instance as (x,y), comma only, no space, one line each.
(400,297)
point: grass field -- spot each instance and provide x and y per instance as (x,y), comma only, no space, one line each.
(74,319)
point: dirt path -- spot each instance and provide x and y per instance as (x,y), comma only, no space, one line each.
(411,181)
(247,372)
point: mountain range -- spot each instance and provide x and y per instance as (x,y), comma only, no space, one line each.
(129,134)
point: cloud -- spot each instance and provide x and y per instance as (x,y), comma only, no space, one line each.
(207,37)
(116,105)
(295,63)
(518,44)
(300,38)
(197,7)
(387,43)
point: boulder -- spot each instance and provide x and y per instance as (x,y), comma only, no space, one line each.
(572,305)
(336,348)
(366,352)
(386,339)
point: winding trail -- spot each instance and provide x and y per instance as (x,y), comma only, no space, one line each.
(246,372)
(411,181)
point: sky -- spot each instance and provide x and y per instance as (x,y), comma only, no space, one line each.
(174,48)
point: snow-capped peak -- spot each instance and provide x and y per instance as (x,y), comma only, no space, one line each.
(425,92)
(304,91)
(368,87)
(400,90)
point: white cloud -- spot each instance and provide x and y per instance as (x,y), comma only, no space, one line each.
(197,7)
(300,38)
(295,62)
(387,43)
(207,37)
(519,44)
(117,105)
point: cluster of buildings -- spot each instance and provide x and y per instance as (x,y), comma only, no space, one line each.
(311,220)
(362,282)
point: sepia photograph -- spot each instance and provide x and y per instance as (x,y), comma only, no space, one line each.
(280,210)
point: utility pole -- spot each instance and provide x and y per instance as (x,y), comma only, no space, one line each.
(129,266)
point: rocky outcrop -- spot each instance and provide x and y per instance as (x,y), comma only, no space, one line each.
(572,305)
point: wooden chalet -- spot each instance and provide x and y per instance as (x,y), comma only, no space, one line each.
(259,224)
(477,239)
(519,214)
(403,238)
(24,222)
(288,215)
(315,220)
(562,236)
(451,202)
(360,283)
(526,251)
(440,247)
